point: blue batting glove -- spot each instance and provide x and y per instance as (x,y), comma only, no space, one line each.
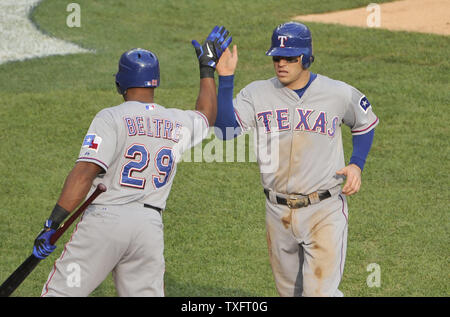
(219,36)
(42,247)
(209,53)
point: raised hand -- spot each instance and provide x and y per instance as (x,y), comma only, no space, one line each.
(228,62)
(212,49)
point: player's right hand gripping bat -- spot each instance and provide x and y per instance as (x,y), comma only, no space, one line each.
(20,274)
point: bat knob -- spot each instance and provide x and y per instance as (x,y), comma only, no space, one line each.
(101,187)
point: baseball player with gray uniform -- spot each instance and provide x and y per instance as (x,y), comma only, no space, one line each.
(133,149)
(297,117)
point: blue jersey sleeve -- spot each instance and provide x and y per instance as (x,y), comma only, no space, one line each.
(226,125)
(361,147)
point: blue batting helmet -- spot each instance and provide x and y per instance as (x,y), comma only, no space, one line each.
(137,68)
(292,39)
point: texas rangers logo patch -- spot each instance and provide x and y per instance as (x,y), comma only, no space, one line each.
(92,141)
(283,40)
(364,103)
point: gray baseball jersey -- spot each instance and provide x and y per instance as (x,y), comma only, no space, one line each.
(307,131)
(138,146)
(299,150)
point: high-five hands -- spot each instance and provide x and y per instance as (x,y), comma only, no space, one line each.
(209,53)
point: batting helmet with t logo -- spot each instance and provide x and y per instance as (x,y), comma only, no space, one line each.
(292,39)
(137,68)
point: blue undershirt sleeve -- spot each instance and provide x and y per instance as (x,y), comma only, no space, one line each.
(361,147)
(226,117)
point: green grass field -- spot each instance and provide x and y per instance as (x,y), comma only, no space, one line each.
(215,241)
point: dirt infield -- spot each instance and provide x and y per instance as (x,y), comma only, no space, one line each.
(424,16)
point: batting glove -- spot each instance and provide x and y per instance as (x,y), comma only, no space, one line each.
(209,53)
(42,247)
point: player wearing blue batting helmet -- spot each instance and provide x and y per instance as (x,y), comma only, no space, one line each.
(301,113)
(136,197)
(292,39)
(138,68)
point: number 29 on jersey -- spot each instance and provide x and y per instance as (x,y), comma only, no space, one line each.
(138,160)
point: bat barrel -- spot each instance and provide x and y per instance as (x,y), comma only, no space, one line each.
(19,275)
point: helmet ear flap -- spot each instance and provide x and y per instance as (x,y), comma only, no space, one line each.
(119,90)
(307,63)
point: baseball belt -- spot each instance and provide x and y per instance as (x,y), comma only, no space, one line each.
(298,201)
(153,207)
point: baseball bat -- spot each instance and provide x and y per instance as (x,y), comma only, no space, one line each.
(21,273)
